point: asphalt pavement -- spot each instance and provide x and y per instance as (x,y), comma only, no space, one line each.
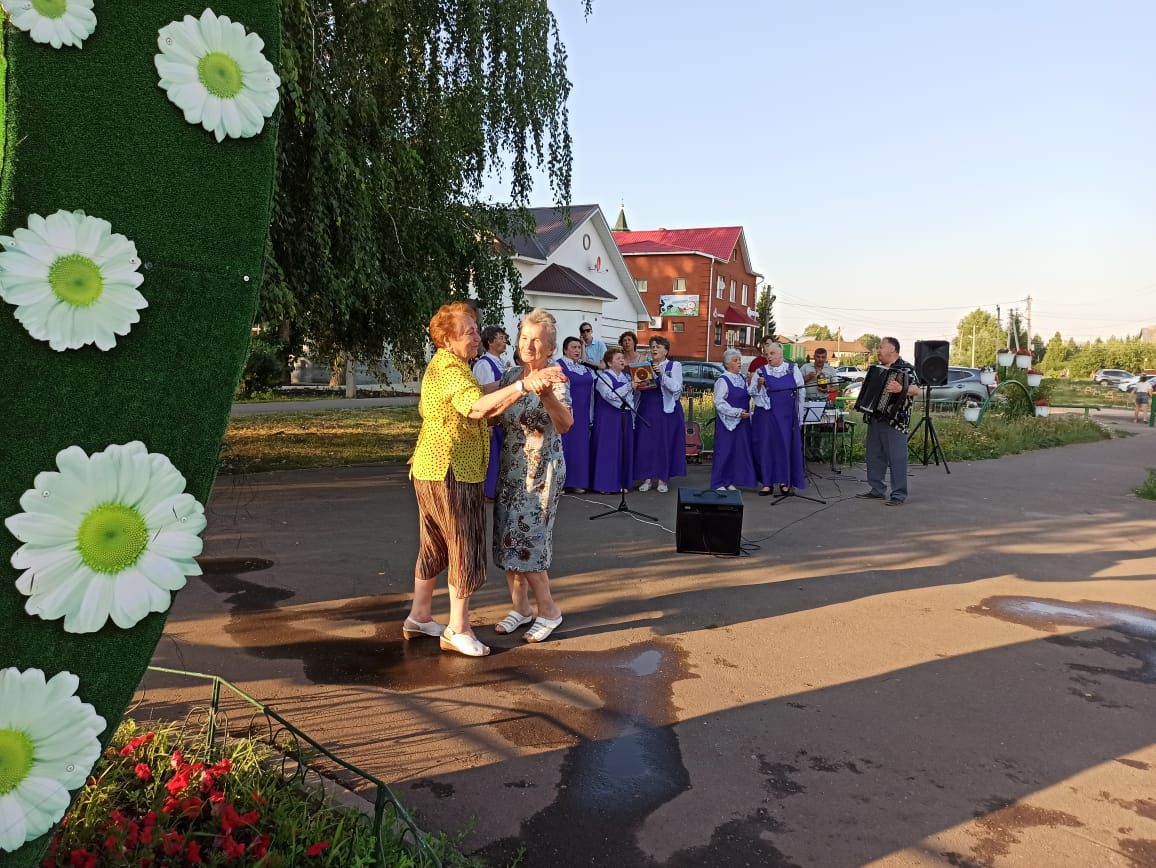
(969,679)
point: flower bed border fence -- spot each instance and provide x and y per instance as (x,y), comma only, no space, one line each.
(295,762)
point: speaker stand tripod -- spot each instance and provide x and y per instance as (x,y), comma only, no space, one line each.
(931,445)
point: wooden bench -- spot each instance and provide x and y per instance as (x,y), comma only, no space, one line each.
(1084,407)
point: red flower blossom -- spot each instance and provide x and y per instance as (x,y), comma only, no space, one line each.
(260,846)
(232,848)
(258,798)
(317,849)
(139,741)
(143,771)
(172,842)
(231,820)
(178,759)
(79,858)
(193,856)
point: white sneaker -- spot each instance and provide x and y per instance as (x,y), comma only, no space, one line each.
(662,489)
(721,488)
(645,485)
(732,488)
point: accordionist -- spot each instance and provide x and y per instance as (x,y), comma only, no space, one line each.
(887,434)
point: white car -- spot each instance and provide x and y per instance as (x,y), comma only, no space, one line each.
(1129,385)
(850,372)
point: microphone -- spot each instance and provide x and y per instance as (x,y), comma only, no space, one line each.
(589,365)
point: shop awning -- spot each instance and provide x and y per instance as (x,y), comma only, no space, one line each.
(737,316)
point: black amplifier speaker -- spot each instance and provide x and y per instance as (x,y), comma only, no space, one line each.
(931,358)
(709,522)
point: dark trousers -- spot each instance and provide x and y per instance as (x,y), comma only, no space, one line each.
(886,448)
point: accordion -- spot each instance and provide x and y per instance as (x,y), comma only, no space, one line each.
(873,401)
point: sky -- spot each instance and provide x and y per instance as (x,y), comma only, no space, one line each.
(895,164)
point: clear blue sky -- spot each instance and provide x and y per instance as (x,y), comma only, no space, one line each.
(894,164)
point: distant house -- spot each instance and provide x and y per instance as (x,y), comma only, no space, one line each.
(573,269)
(698,286)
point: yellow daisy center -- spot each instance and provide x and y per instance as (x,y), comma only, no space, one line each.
(111,538)
(76,279)
(50,8)
(220,74)
(16,755)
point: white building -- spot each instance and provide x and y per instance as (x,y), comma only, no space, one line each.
(574,270)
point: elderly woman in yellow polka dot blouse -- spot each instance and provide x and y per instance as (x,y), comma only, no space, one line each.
(448,468)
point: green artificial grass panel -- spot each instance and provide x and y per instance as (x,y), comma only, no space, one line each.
(97,134)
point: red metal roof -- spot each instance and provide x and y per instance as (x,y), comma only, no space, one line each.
(737,316)
(718,241)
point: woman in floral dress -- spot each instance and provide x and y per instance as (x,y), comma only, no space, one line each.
(530,479)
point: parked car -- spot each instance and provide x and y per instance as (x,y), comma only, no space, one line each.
(1129,385)
(850,372)
(962,385)
(700,376)
(1111,376)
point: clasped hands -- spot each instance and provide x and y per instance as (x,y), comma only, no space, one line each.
(543,380)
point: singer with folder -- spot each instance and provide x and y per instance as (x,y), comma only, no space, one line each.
(576,441)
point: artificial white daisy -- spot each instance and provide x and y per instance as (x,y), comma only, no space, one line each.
(109,536)
(73,280)
(215,73)
(48,745)
(56,22)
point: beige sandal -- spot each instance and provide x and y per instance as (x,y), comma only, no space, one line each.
(542,629)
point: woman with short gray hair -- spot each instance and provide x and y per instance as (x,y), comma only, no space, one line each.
(733,463)
(532,473)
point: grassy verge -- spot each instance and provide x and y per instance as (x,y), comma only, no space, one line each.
(271,396)
(162,796)
(327,438)
(1088,392)
(1148,489)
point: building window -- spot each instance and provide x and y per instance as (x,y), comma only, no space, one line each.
(641,285)
(679,327)
(733,288)
(732,337)
(744,295)
(718,334)
(680,284)
(722,285)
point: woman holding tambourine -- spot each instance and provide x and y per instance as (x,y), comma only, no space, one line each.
(660,438)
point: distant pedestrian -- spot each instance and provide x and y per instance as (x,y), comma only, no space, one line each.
(593,349)
(1143,396)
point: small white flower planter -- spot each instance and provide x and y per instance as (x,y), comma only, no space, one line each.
(987,377)
(1024,362)
(971,414)
(1042,410)
(1035,379)
(1004,359)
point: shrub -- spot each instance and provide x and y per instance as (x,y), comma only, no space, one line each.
(265,367)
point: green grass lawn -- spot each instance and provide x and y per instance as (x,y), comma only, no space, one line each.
(327,438)
(1088,392)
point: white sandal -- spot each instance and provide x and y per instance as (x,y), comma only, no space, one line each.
(463,643)
(542,629)
(411,629)
(512,622)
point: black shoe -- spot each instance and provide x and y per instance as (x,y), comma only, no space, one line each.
(894,502)
(869,495)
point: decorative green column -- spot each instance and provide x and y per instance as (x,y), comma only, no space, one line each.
(137,186)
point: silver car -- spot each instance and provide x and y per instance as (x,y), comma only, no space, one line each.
(962,385)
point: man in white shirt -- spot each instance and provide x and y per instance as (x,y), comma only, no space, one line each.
(490,366)
(593,349)
(1143,397)
(818,375)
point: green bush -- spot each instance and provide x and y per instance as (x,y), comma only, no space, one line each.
(1148,489)
(265,367)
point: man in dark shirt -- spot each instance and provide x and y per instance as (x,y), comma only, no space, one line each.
(887,436)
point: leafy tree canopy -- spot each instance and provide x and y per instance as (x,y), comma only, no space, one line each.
(394,115)
(764,308)
(978,331)
(870,341)
(822,333)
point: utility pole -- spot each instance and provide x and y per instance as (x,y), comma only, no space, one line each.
(973,344)
(1029,301)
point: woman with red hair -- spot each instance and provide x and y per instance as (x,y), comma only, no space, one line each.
(448,468)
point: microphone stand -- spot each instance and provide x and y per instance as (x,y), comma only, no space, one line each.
(790,492)
(623,404)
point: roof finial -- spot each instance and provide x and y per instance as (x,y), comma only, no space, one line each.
(620,223)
